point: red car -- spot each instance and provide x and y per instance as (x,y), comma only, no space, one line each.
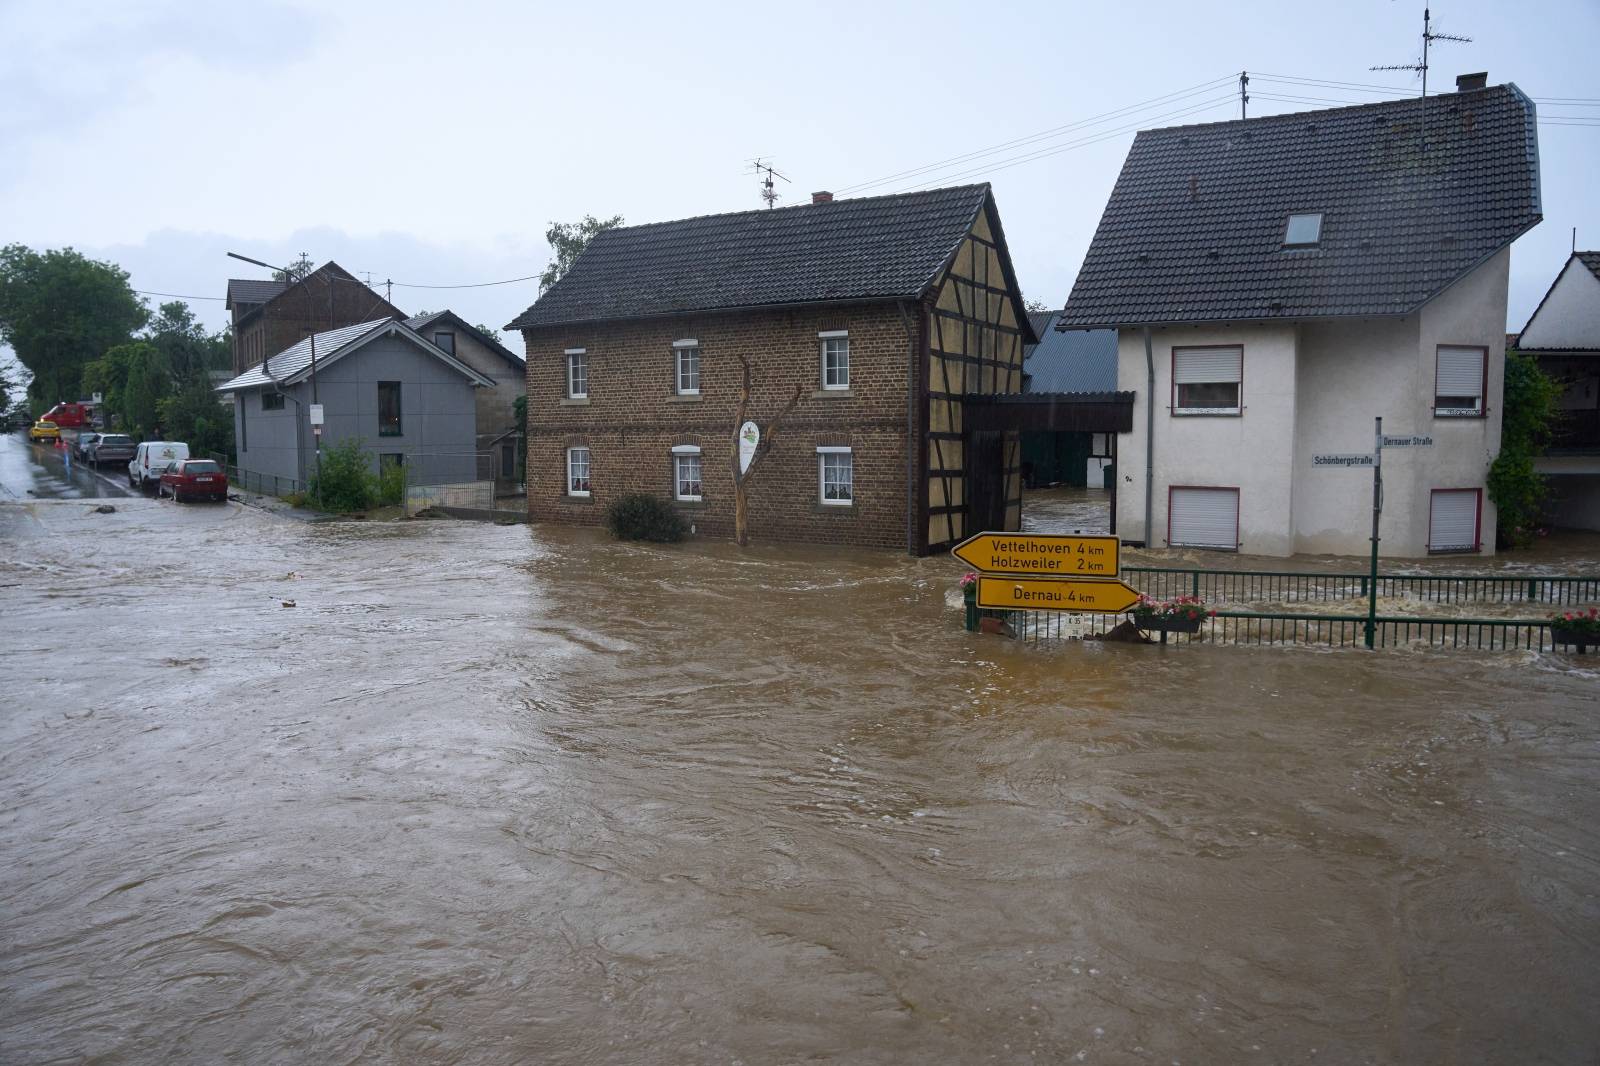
(187,479)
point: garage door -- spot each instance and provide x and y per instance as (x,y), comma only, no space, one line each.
(1203,518)
(1453,520)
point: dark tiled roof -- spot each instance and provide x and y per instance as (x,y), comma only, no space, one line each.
(1590,260)
(1194,228)
(877,247)
(450,318)
(1079,360)
(250,291)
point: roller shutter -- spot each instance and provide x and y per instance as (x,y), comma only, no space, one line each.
(1203,518)
(1460,373)
(1453,520)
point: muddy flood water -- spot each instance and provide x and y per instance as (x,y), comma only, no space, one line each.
(495,794)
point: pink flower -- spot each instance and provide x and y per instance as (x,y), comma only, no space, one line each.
(968,578)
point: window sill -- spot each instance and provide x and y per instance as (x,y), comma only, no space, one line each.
(829,394)
(1207,412)
(698,504)
(684,397)
(1455,412)
(574,401)
(834,508)
(585,498)
(391,433)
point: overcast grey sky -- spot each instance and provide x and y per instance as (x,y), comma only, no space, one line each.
(433,143)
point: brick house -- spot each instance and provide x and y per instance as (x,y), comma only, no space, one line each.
(272,316)
(891,316)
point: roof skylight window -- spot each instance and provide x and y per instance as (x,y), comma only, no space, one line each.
(1303,231)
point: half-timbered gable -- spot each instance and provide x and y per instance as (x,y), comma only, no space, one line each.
(876,319)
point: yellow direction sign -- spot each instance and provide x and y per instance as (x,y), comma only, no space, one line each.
(1040,554)
(1054,594)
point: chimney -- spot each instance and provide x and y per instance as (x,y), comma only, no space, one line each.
(1467,82)
(822,197)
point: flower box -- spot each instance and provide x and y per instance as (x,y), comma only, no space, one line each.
(1580,629)
(1173,625)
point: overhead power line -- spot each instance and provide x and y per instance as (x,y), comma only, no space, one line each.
(178,295)
(1043,135)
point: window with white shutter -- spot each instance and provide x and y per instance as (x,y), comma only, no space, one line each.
(1203,518)
(1459,377)
(1207,381)
(1453,520)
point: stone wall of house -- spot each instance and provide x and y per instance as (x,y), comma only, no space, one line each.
(634,415)
(323,301)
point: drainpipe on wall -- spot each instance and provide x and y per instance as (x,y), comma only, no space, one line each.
(1149,434)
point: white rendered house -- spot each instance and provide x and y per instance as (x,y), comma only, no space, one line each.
(1276,284)
(1564,336)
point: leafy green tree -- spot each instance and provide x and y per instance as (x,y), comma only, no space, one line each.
(568,240)
(1527,416)
(108,375)
(58,311)
(194,416)
(488,331)
(149,382)
(190,352)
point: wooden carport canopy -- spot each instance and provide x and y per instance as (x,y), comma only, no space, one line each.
(1057,412)
(1053,412)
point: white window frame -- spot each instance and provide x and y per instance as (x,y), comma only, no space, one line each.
(680,452)
(822,344)
(1477,411)
(822,476)
(1477,523)
(588,477)
(1237,382)
(681,349)
(577,357)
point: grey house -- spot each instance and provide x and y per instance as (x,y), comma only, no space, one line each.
(403,397)
(499,433)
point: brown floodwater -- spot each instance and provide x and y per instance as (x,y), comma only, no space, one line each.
(505,795)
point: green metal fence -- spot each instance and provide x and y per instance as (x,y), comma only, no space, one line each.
(1272,586)
(1319,630)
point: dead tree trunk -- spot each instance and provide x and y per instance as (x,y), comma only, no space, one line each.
(741,478)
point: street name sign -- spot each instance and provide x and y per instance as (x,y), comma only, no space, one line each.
(1054,594)
(1350,459)
(1041,555)
(1407,440)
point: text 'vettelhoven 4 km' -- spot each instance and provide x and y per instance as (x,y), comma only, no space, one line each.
(1044,555)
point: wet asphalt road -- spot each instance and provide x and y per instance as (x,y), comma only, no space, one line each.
(30,471)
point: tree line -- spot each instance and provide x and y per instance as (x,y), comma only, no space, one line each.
(77,328)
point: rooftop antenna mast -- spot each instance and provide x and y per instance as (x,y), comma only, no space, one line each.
(1244,91)
(1421,65)
(768,192)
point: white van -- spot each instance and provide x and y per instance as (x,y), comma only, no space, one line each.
(152,458)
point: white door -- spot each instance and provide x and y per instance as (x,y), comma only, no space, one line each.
(1453,521)
(1203,518)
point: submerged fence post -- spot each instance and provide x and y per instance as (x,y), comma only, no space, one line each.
(970,596)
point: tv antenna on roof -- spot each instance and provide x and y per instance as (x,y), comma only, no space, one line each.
(768,193)
(1421,65)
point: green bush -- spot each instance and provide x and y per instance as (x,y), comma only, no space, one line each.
(641,516)
(346,482)
(392,485)
(1528,414)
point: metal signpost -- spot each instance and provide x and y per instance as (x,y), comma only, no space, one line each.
(1046,572)
(1054,594)
(1374,462)
(1041,555)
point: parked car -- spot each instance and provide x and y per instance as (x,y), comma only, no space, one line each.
(111,448)
(151,458)
(43,430)
(189,479)
(81,444)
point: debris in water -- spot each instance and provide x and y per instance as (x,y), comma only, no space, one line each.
(1122,633)
(105,508)
(288,603)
